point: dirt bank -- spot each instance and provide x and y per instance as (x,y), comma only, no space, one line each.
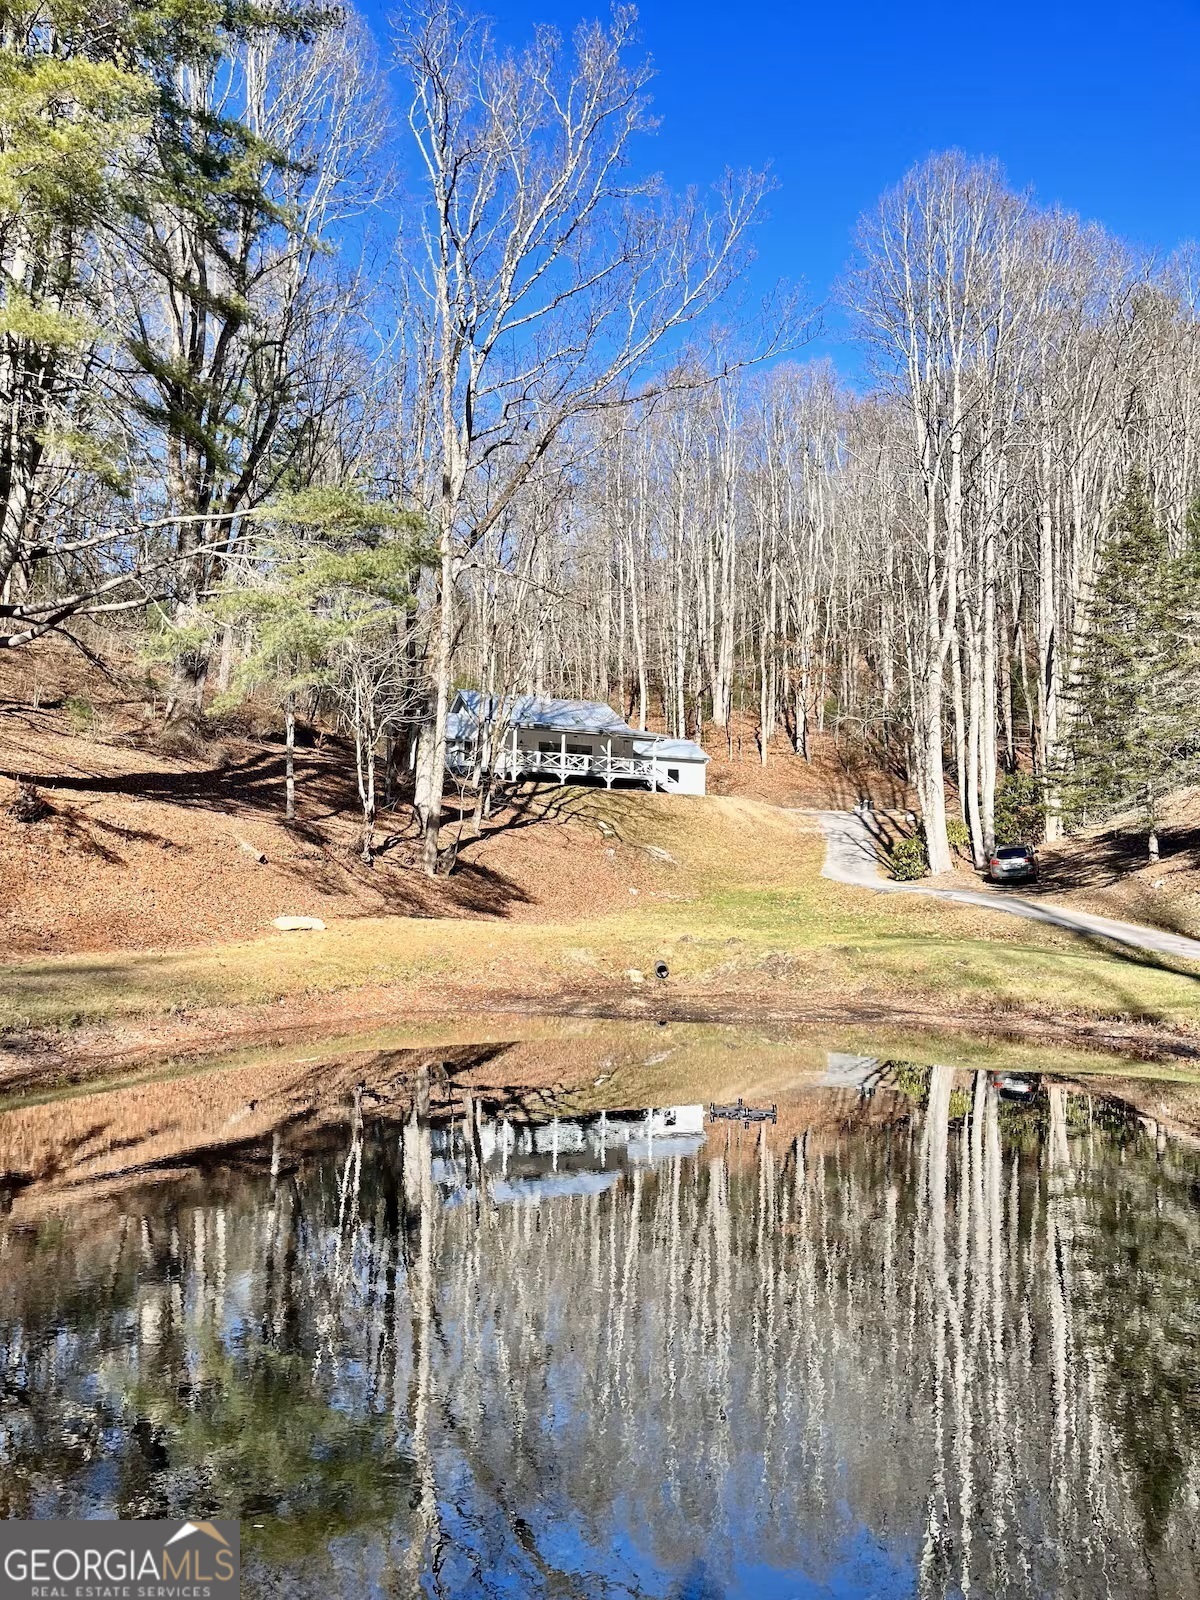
(36,1062)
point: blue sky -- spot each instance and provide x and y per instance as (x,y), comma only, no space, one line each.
(1096,106)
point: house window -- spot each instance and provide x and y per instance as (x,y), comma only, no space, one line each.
(579,750)
(547,748)
(672,774)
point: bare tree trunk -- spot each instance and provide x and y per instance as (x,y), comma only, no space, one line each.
(390,746)
(961,773)
(443,650)
(365,738)
(639,640)
(225,660)
(289,722)
(423,771)
(988,709)
(1048,652)
(931,734)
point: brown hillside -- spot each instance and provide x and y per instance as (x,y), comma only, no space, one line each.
(1105,869)
(148,839)
(835,778)
(142,846)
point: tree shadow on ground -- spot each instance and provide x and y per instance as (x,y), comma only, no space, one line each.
(1103,861)
(520,808)
(1077,866)
(251,784)
(886,830)
(871,775)
(251,789)
(473,891)
(1099,861)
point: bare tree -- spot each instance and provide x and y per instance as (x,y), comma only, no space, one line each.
(548,276)
(925,290)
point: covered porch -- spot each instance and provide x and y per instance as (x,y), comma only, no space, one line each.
(565,765)
(567,741)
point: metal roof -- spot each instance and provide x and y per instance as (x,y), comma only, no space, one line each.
(561,716)
(539,711)
(658,744)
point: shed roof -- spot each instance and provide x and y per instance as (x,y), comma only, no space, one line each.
(657,744)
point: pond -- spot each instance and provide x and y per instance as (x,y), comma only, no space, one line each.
(430,1325)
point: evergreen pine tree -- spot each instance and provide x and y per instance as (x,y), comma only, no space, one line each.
(334,577)
(103,133)
(1136,722)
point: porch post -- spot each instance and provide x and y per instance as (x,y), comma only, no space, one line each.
(654,769)
(562,760)
(608,763)
(513,769)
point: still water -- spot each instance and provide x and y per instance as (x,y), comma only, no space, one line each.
(928,1332)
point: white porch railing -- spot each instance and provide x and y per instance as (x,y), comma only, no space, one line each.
(554,764)
(562,765)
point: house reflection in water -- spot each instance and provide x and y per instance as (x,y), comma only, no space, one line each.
(566,1156)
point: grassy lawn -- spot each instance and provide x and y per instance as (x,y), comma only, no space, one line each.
(739,912)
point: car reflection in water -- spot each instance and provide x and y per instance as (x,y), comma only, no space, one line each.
(1021,1086)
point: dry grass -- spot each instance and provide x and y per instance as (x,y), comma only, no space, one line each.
(740,911)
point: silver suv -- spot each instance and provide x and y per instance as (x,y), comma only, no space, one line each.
(1013,863)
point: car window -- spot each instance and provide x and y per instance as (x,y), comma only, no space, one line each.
(1013,852)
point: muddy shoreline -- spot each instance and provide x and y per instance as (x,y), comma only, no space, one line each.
(35,1062)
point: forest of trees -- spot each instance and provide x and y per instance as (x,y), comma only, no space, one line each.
(357,379)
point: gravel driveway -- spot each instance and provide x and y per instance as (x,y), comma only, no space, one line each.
(852,856)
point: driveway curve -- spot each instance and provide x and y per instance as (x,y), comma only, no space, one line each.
(852,856)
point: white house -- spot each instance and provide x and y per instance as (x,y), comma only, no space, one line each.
(530,736)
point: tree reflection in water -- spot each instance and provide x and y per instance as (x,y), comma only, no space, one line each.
(948,1350)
